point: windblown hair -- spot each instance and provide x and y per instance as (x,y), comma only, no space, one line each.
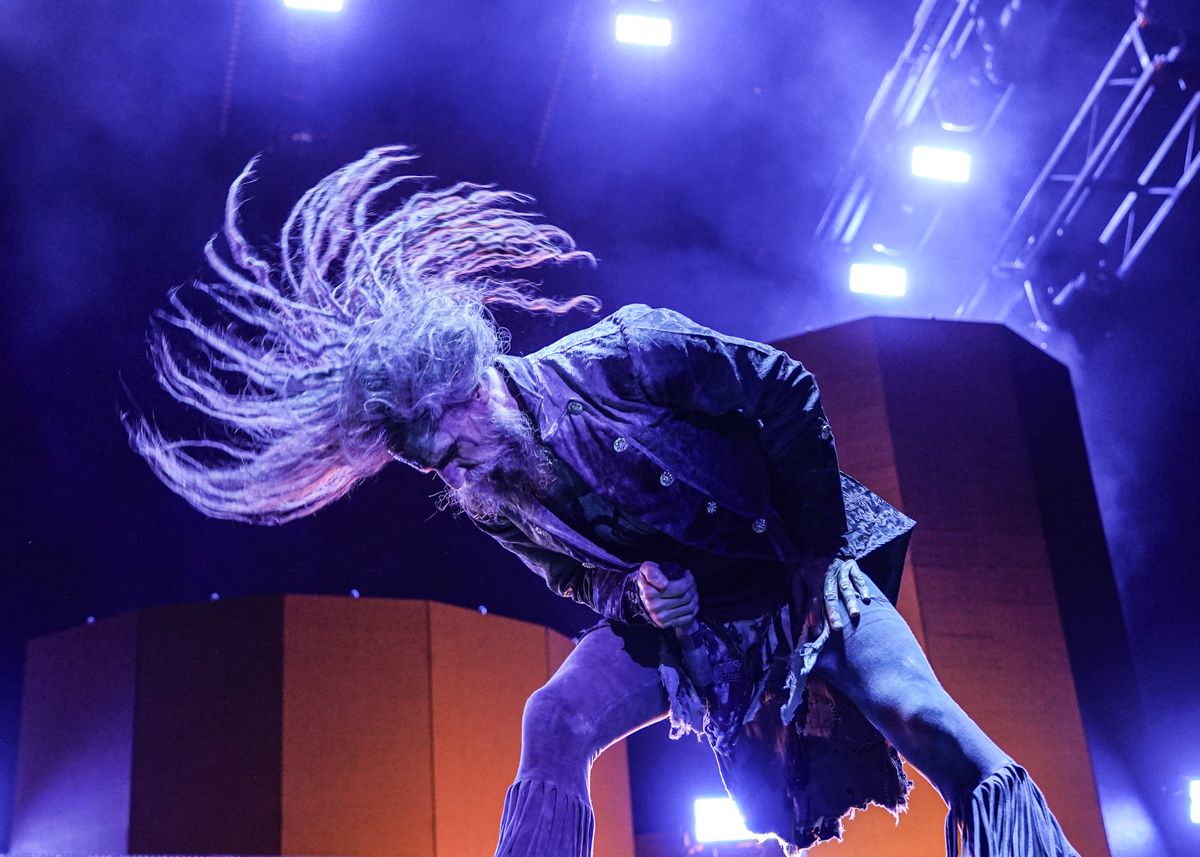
(374,322)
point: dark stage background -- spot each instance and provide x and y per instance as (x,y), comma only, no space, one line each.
(696,174)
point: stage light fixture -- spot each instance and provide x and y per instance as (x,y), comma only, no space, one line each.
(878,279)
(319,5)
(1194,793)
(944,164)
(643,31)
(718,820)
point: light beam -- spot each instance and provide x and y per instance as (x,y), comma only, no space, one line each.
(643,31)
(718,820)
(878,279)
(941,164)
(319,5)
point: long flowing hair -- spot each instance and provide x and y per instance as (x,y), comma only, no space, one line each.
(374,321)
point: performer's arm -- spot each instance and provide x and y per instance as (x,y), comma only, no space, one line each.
(612,594)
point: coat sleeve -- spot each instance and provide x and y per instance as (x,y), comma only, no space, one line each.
(681,365)
(612,594)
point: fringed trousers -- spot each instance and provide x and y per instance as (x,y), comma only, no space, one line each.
(598,696)
(603,692)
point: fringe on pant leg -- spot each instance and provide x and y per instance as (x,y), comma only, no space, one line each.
(1005,816)
(542,820)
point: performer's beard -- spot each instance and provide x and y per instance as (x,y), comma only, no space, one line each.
(520,471)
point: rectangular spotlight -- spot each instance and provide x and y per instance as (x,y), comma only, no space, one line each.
(877,279)
(1194,794)
(718,820)
(941,164)
(643,31)
(319,5)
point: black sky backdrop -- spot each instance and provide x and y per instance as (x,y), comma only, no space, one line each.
(696,174)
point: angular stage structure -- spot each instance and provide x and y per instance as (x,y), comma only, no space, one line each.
(291,725)
(974,432)
(309,725)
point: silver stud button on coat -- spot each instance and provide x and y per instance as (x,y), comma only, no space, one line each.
(620,444)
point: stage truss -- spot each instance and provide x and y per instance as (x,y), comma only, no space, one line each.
(1116,173)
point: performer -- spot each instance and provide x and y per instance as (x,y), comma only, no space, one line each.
(681,483)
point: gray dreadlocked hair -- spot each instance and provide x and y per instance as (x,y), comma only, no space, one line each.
(372,324)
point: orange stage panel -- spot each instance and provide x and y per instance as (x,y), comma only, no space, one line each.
(300,725)
(936,418)
(357,718)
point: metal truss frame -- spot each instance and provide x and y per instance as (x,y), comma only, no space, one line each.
(941,30)
(1030,235)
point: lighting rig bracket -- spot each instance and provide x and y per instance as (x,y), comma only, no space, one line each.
(1114,176)
(945,85)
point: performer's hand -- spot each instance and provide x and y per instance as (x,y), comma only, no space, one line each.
(845,580)
(669,603)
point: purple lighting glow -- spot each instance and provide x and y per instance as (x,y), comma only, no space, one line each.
(943,164)
(643,31)
(719,820)
(878,280)
(319,5)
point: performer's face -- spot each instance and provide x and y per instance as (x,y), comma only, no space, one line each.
(471,438)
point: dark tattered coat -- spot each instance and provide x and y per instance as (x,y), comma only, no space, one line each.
(718,442)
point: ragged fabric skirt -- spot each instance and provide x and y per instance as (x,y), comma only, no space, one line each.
(794,752)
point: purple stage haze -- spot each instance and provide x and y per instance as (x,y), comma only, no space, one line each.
(696,173)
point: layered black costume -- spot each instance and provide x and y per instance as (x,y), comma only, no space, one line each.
(674,443)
